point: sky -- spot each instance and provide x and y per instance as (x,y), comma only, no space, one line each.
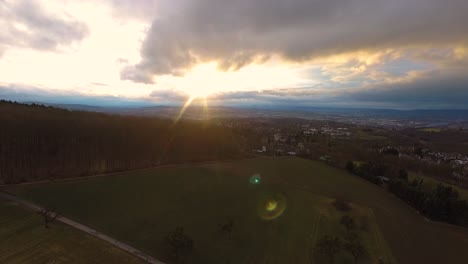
(402,54)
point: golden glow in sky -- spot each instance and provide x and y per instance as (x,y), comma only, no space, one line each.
(93,66)
(138,49)
(206,79)
(94,60)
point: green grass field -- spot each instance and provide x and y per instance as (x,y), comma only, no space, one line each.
(140,208)
(360,134)
(23,239)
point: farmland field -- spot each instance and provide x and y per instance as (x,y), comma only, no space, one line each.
(141,207)
(360,134)
(432,129)
(24,239)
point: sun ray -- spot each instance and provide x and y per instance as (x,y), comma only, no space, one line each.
(206,113)
(184,108)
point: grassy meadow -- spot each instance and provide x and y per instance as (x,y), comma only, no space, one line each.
(24,239)
(141,207)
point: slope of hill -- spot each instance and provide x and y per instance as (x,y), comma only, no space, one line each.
(43,143)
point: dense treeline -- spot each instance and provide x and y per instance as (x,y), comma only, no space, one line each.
(440,204)
(368,170)
(39,142)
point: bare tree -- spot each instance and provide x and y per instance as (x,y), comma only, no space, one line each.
(356,249)
(48,216)
(329,247)
(353,245)
(226,229)
(180,243)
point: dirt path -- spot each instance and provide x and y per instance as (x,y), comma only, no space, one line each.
(131,250)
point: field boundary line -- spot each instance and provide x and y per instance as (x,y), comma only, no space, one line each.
(126,172)
(125,247)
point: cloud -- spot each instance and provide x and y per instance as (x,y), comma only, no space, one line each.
(236,33)
(98,84)
(136,74)
(432,89)
(28,93)
(136,9)
(168,96)
(27,24)
(306,96)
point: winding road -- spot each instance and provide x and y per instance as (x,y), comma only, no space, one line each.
(131,250)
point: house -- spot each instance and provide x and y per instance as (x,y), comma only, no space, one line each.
(277,136)
(310,132)
(383,179)
(390,151)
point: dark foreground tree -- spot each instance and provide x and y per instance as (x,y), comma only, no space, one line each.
(329,247)
(48,215)
(226,229)
(180,243)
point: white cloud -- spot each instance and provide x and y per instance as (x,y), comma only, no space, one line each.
(28,24)
(237,33)
(270,51)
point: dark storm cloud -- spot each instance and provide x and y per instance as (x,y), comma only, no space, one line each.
(306,96)
(433,89)
(236,33)
(28,24)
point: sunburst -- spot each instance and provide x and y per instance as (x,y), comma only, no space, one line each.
(184,108)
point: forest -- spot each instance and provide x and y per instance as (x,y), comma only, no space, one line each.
(40,142)
(441,203)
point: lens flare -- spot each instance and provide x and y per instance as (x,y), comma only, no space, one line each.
(271,206)
(255,179)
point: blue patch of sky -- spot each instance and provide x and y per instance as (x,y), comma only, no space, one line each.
(51,98)
(401,67)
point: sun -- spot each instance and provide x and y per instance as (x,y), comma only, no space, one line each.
(200,92)
(207,80)
(203,81)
